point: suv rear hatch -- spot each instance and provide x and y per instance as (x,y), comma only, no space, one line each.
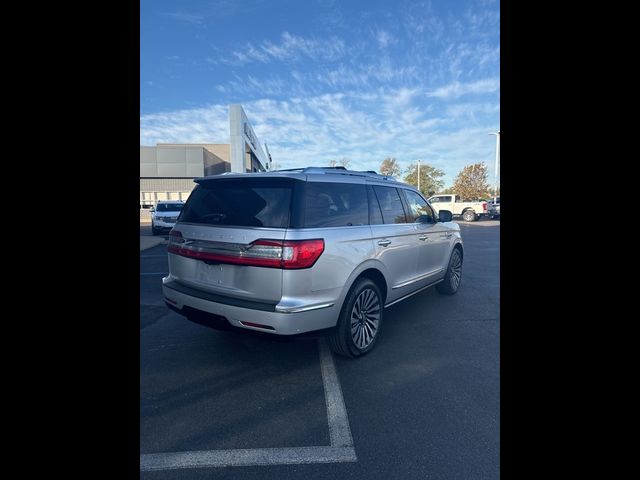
(229,239)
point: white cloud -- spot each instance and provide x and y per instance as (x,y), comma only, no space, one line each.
(385,38)
(457,89)
(363,127)
(289,48)
(186,17)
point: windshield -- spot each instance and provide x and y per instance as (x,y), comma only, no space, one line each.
(169,207)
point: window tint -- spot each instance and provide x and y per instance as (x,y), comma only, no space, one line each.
(335,205)
(239,202)
(417,206)
(390,204)
(169,207)
(445,199)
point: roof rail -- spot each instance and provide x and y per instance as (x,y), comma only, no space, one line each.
(337,171)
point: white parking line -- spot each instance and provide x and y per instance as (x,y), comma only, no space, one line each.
(340,450)
(339,431)
(246,457)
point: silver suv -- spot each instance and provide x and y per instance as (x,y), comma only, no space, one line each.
(294,251)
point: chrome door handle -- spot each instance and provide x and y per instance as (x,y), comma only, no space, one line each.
(422,237)
(384,243)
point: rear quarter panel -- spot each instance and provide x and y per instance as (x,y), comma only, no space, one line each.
(345,250)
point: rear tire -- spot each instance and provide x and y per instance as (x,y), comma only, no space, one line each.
(469,216)
(453,277)
(358,327)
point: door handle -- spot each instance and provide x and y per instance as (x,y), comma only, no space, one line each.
(384,243)
(422,237)
(448,235)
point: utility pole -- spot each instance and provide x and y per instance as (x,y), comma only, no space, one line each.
(418,175)
(497,134)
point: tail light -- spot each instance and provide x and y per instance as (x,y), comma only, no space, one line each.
(286,254)
(484,206)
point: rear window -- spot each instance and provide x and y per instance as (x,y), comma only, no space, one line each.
(241,203)
(169,207)
(335,205)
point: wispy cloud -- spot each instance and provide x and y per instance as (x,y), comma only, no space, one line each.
(289,48)
(457,89)
(192,18)
(385,38)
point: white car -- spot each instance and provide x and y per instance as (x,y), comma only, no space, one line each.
(164,216)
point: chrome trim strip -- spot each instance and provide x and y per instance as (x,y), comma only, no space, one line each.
(413,293)
(417,279)
(302,309)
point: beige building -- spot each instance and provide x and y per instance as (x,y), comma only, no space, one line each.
(167,170)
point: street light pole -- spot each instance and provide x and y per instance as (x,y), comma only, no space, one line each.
(497,134)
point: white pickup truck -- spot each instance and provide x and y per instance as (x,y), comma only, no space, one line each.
(470,211)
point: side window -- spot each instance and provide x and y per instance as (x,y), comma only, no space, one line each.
(335,205)
(445,199)
(390,204)
(417,206)
(435,199)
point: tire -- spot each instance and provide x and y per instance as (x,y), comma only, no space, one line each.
(469,216)
(154,230)
(357,341)
(453,277)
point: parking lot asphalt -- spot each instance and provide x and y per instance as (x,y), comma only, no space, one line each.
(423,404)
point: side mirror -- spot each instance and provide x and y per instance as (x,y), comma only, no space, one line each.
(445,216)
(152,209)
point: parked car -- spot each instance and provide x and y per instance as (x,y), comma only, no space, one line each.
(494,207)
(164,215)
(469,211)
(294,251)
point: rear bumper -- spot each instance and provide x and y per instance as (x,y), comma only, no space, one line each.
(274,318)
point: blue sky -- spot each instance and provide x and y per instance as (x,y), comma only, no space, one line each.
(326,79)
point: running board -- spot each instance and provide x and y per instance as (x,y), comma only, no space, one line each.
(413,293)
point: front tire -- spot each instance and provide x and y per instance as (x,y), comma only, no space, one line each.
(360,320)
(469,216)
(154,230)
(453,277)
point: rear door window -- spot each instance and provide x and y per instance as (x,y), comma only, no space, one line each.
(240,202)
(335,205)
(390,204)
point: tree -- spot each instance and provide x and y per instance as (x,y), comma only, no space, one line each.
(471,182)
(345,162)
(332,163)
(390,167)
(430,181)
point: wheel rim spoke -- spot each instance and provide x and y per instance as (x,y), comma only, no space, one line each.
(364,326)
